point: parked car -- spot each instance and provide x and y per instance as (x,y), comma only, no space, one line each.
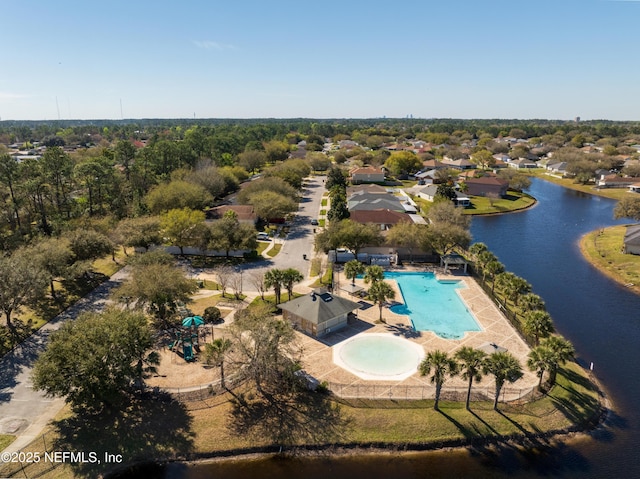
(314,222)
(263,237)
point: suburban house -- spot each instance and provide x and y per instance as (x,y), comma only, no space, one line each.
(632,240)
(559,168)
(372,189)
(462,164)
(318,313)
(615,181)
(245,213)
(434,165)
(489,186)
(384,219)
(427,193)
(523,163)
(366,174)
(502,157)
(374,201)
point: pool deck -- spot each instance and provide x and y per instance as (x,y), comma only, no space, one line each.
(496,329)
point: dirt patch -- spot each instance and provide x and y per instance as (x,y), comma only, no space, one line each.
(175,372)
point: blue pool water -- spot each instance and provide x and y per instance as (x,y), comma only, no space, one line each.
(433,305)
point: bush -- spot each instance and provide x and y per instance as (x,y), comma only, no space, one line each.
(211,314)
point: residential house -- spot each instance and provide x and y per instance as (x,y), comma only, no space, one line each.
(615,181)
(523,163)
(245,213)
(461,199)
(383,219)
(373,201)
(502,157)
(367,188)
(489,186)
(632,240)
(427,193)
(366,174)
(559,168)
(318,313)
(461,164)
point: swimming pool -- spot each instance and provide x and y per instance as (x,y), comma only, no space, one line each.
(379,356)
(433,305)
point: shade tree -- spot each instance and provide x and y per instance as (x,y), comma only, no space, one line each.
(108,371)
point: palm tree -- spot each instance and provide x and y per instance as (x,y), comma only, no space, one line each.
(274,278)
(352,269)
(373,274)
(504,367)
(470,362)
(561,350)
(441,364)
(380,292)
(476,248)
(539,360)
(290,276)
(215,353)
(504,283)
(483,259)
(521,287)
(531,302)
(493,268)
(537,324)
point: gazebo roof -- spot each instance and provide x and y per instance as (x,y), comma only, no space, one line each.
(351,288)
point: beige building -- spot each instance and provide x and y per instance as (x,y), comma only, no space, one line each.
(318,313)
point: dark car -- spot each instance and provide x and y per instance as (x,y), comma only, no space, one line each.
(314,222)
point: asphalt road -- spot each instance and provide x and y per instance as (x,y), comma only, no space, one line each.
(299,241)
(24,411)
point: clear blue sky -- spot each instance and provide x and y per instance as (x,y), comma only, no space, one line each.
(554,59)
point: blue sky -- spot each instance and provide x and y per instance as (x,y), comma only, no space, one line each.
(554,59)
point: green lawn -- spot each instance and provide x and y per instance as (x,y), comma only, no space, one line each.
(275,250)
(514,201)
(201,428)
(603,249)
(613,193)
(5,440)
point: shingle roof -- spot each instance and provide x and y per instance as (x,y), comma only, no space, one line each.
(632,236)
(380,216)
(319,308)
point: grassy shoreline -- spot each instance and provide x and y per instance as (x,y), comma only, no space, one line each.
(574,405)
(602,249)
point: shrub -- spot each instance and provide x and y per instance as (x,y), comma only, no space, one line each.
(211,314)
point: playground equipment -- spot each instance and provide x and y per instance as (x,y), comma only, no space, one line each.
(188,338)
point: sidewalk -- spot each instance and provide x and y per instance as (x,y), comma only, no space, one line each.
(25,412)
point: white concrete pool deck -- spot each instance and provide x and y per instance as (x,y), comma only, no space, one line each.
(496,329)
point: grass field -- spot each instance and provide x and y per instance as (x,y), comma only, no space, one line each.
(603,249)
(514,201)
(613,193)
(172,430)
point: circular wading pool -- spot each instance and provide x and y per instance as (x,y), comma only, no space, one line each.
(379,356)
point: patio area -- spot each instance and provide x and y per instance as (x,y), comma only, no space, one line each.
(496,333)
